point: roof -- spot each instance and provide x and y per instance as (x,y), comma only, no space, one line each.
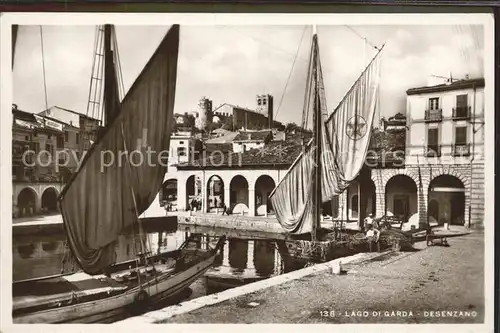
(60,121)
(274,154)
(70,111)
(23,115)
(462,84)
(282,153)
(222,147)
(227,138)
(252,136)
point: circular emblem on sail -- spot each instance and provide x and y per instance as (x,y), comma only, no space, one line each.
(356,127)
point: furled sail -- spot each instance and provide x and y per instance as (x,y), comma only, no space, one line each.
(125,165)
(344,144)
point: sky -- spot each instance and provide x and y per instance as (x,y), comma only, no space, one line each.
(232,64)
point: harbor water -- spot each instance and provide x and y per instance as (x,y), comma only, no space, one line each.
(246,257)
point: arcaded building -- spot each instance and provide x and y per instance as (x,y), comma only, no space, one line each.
(429,170)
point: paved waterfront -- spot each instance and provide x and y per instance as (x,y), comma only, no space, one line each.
(432,279)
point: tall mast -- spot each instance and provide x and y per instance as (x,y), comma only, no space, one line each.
(317,121)
(110,84)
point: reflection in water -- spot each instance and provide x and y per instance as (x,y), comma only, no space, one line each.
(238,254)
(26,251)
(264,258)
(245,259)
(50,247)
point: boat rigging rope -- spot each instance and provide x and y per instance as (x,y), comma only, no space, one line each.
(43,69)
(290,73)
(135,207)
(118,64)
(364,38)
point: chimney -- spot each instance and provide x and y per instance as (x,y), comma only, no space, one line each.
(14,107)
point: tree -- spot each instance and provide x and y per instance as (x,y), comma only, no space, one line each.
(227,123)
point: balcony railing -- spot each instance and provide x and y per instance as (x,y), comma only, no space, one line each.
(433,115)
(433,151)
(461,150)
(461,113)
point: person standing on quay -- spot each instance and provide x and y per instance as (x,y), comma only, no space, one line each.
(373,236)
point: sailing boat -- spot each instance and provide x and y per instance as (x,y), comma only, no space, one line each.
(329,163)
(97,205)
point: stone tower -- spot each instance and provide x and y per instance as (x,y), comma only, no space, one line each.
(265,106)
(204,113)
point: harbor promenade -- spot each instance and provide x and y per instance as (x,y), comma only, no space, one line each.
(404,287)
(216,220)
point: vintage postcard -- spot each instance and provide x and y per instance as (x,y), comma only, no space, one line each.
(330,169)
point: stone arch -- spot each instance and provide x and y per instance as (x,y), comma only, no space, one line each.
(451,172)
(401,196)
(402,172)
(49,199)
(353,201)
(26,201)
(449,191)
(168,194)
(215,193)
(239,194)
(264,185)
(193,191)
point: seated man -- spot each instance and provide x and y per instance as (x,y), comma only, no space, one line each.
(369,220)
(373,236)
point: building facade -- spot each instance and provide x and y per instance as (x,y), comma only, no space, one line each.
(46,150)
(429,170)
(247,119)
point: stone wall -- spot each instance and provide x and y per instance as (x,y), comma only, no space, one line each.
(471,176)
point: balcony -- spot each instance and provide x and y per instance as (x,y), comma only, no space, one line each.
(461,150)
(461,113)
(433,151)
(433,115)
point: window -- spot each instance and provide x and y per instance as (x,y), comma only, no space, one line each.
(259,102)
(433,142)
(461,135)
(432,136)
(462,109)
(354,206)
(434,103)
(77,138)
(60,142)
(263,102)
(49,148)
(461,101)
(181,142)
(62,159)
(181,151)
(27,138)
(66,135)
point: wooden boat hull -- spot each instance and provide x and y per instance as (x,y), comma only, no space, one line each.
(350,244)
(108,309)
(117,306)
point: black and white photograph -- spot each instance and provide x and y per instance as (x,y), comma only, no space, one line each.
(248,169)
